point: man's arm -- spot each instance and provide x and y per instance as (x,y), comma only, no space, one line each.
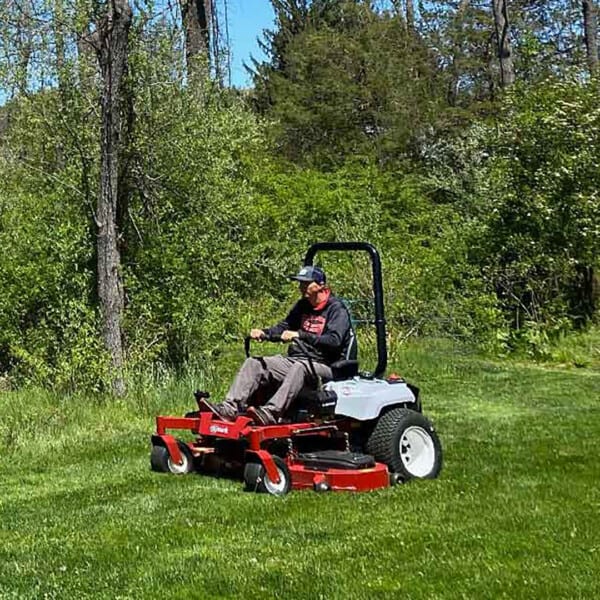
(292,321)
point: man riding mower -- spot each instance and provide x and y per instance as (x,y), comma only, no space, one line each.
(326,425)
(322,323)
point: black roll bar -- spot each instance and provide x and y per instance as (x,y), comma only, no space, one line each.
(377,290)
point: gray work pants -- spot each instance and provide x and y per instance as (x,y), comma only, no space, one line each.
(292,374)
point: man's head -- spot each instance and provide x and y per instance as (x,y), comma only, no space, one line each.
(313,283)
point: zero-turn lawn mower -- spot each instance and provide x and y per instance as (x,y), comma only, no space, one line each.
(361,431)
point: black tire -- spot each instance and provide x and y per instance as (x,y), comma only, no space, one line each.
(321,487)
(395,479)
(257,480)
(160,460)
(253,472)
(407,443)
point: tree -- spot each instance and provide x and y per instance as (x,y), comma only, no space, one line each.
(196,16)
(17,45)
(543,231)
(543,39)
(410,15)
(111,45)
(590,28)
(344,79)
(507,69)
(457,52)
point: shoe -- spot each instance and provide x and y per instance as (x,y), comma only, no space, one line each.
(261,415)
(220,411)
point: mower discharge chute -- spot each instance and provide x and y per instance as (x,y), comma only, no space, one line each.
(360,431)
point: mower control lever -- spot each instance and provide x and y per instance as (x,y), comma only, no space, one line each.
(264,338)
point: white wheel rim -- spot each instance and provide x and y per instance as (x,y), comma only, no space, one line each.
(275,488)
(180,469)
(417,451)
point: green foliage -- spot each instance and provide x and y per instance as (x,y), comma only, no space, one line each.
(488,231)
(546,38)
(48,329)
(430,286)
(543,223)
(192,221)
(526,191)
(345,80)
(581,349)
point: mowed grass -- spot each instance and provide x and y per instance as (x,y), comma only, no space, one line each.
(515,513)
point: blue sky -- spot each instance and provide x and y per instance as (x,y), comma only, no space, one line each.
(247,19)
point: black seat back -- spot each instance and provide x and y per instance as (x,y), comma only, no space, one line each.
(344,369)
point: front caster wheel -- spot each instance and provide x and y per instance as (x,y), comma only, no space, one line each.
(161,461)
(321,486)
(395,479)
(257,480)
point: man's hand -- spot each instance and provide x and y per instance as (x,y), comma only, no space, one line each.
(257,334)
(288,336)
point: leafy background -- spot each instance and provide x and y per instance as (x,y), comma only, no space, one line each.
(482,200)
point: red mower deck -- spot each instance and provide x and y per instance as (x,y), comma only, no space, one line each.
(210,429)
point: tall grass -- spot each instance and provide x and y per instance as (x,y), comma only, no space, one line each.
(515,513)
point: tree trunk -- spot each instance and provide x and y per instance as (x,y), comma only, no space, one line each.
(112,49)
(457,46)
(400,12)
(587,293)
(507,69)
(196,16)
(58,25)
(410,15)
(85,69)
(590,28)
(24,47)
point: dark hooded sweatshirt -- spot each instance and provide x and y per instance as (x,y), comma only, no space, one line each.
(325,329)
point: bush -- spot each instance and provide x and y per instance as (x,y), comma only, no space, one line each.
(525,189)
(48,327)
(541,242)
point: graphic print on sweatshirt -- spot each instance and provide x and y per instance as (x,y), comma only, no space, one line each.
(313,324)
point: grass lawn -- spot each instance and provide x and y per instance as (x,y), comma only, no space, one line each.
(515,513)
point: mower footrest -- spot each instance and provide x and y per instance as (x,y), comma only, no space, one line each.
(336,459)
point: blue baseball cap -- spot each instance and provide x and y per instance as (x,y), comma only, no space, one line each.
(310,273)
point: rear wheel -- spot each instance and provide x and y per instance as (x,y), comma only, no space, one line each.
(406,441)
(257,480)
(161,461)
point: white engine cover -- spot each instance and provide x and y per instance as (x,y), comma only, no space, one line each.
(363,399)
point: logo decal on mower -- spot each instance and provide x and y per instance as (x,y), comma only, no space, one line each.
(219,429)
